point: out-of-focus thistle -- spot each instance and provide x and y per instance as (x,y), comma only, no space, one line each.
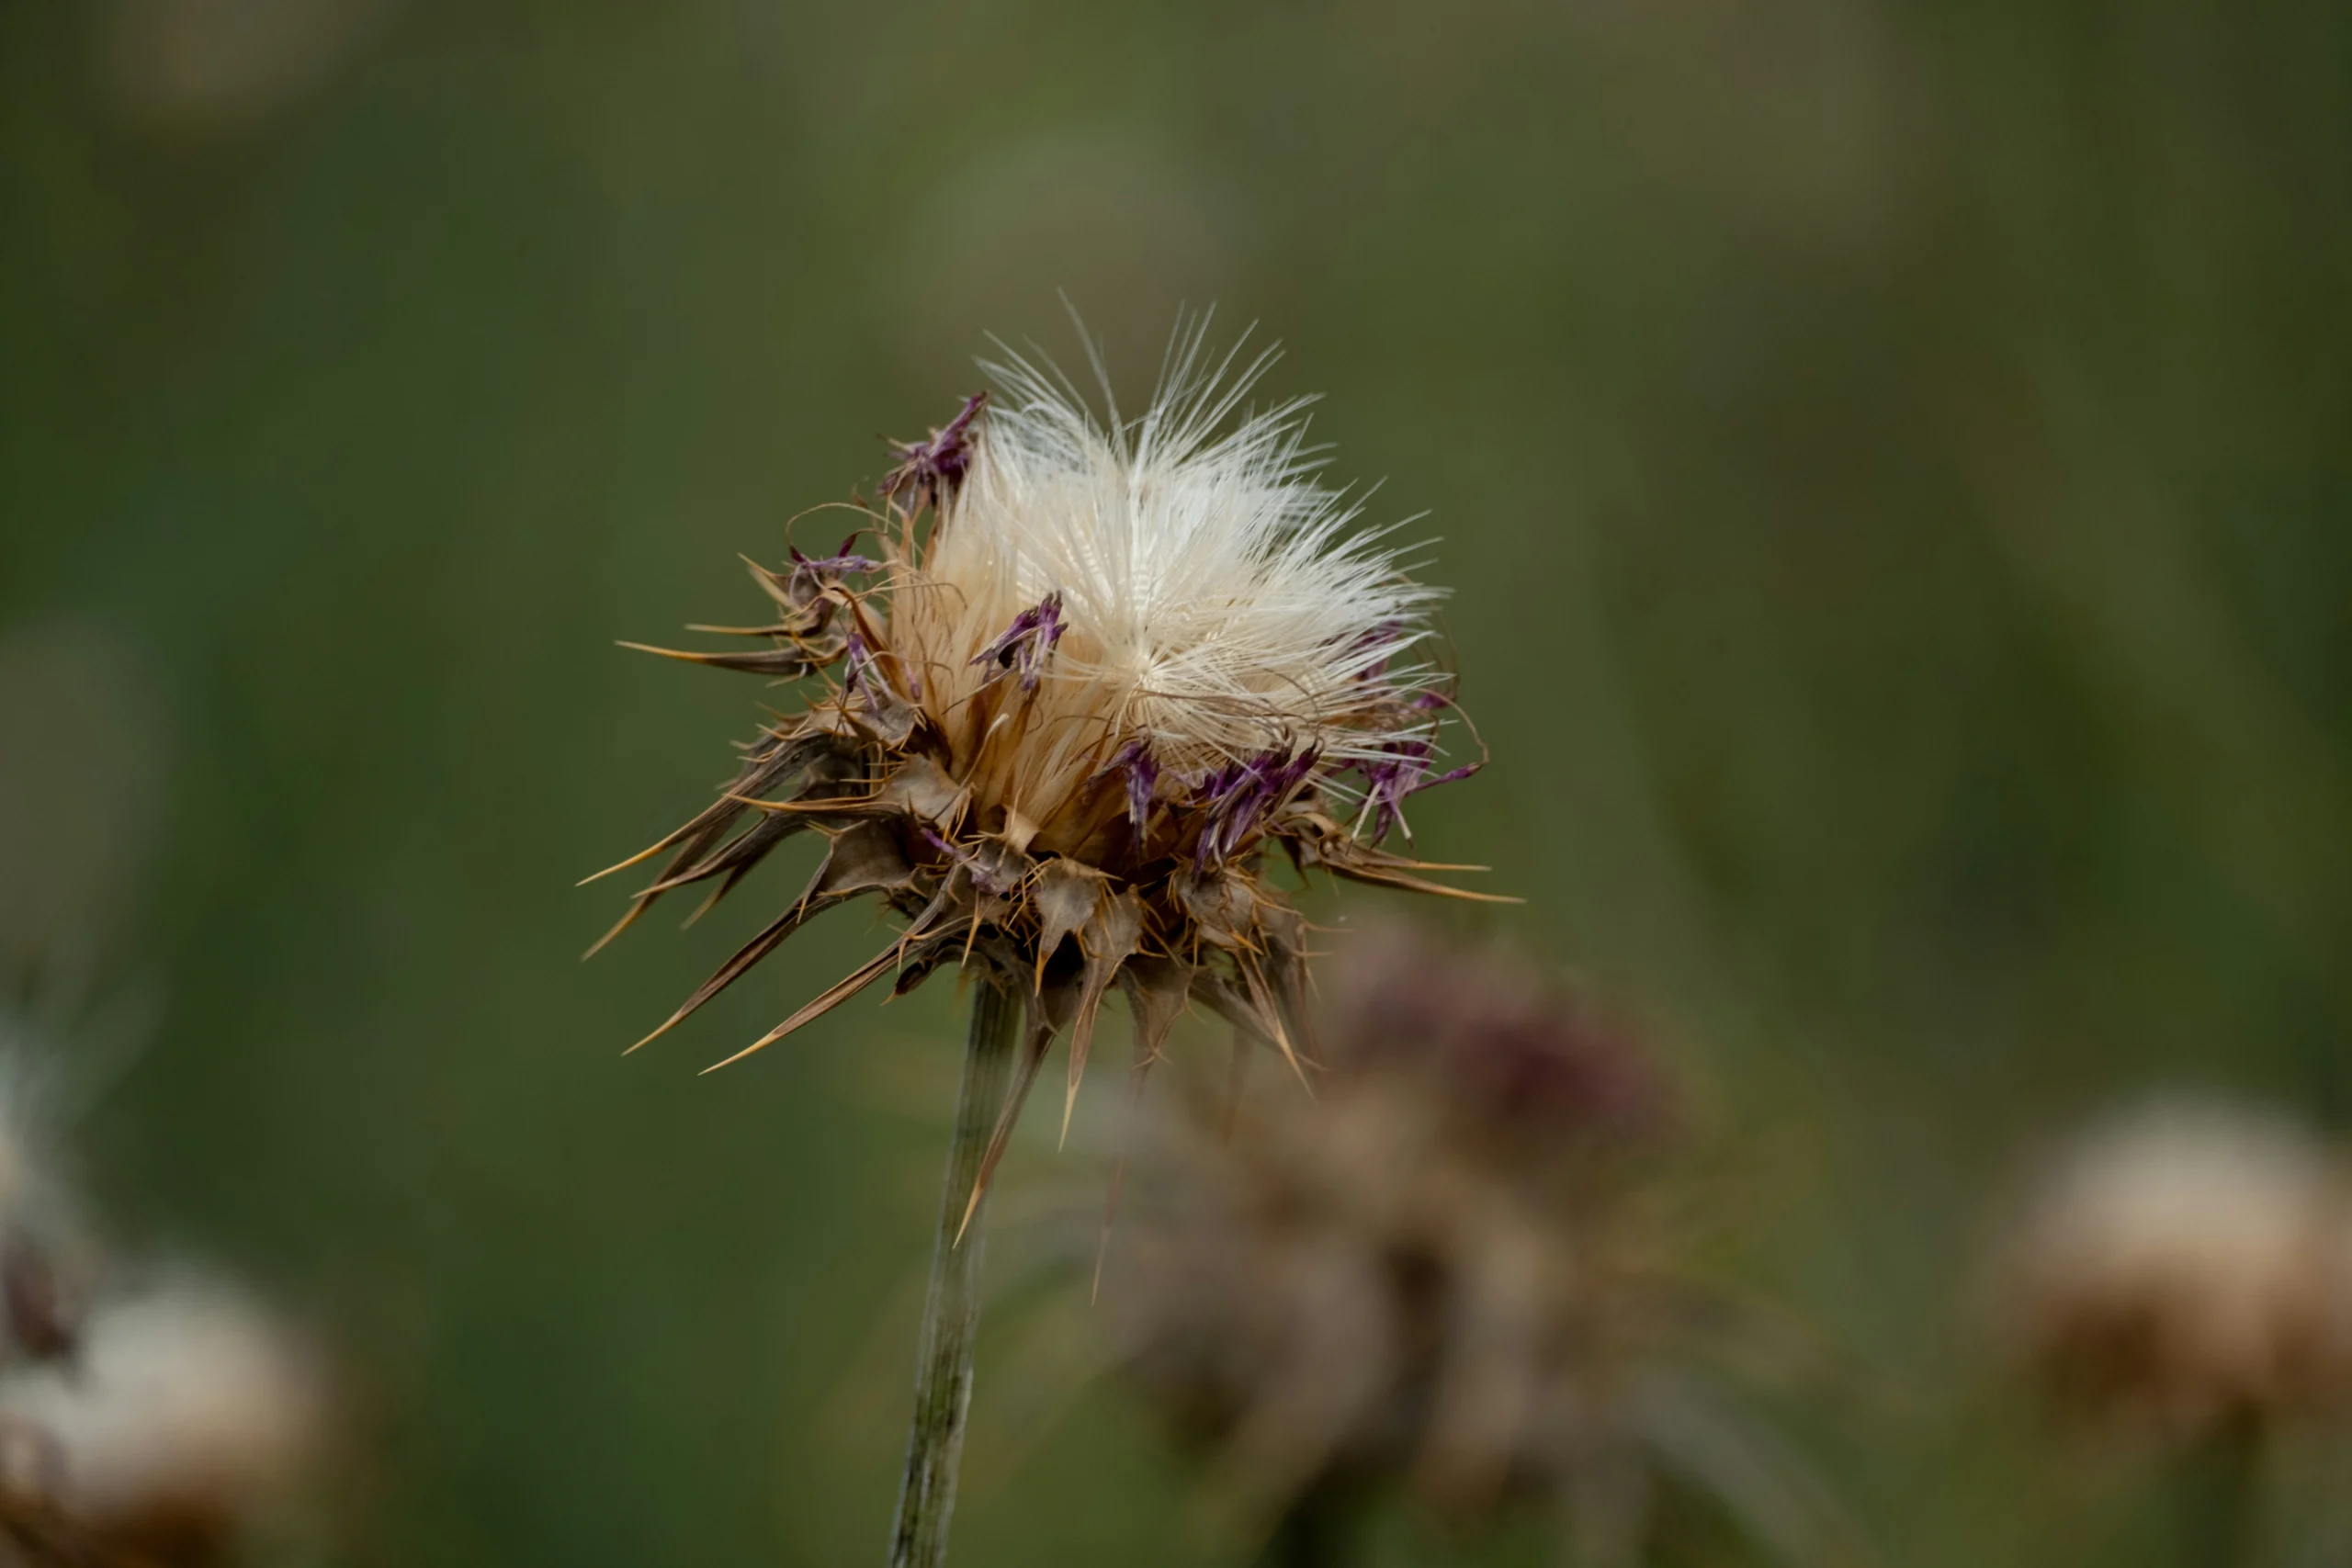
(1089,673)
(2180,1283)
(1456,1268)
(141,1426)
(186,1415)
(2183,1267)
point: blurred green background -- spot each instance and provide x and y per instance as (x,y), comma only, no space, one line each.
(1891,460)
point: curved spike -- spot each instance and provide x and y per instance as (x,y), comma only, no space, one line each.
(1109,939)
(838,992)
(770,938)
(1030,1063)
(784,662)
(1377,876)
(1262,997)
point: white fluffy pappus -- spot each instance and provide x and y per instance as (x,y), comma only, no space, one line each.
(1217,600)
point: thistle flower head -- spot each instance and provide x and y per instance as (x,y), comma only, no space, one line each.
(1086,672)
(2183,1266)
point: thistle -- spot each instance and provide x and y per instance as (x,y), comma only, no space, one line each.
(2183,1270)
(2179,1285)
(189,1415)
(1452,1273)
(141,1425)
(1070,681)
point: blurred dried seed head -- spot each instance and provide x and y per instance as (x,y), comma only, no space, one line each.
(2182,1267)
(1523,1060)
(189,1415)
(1455,1270)
(1089,673)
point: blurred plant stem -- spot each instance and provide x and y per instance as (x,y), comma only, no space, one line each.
(1316,1531)
(2219,1486)
(951,1313)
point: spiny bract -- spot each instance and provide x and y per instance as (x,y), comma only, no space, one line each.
(1091,669)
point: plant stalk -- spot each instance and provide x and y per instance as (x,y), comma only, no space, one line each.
(2219,1486)
(951,1315)
(1317,1531)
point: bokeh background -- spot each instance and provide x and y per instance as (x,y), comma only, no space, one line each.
(1893,462)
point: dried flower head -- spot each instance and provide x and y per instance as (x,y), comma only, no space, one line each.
(2184,1266)
(1452,1268)
(1085,673)
(189,1414)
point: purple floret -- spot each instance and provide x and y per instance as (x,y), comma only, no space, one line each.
(856,664)
(1025,643)
(1238,797)
(811,573)
(1403,769)
(1134,763)
(932,469)
(986,880)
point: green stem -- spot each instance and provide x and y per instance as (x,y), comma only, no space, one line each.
(2221,1492)
(951,1316)
(1316,1531)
